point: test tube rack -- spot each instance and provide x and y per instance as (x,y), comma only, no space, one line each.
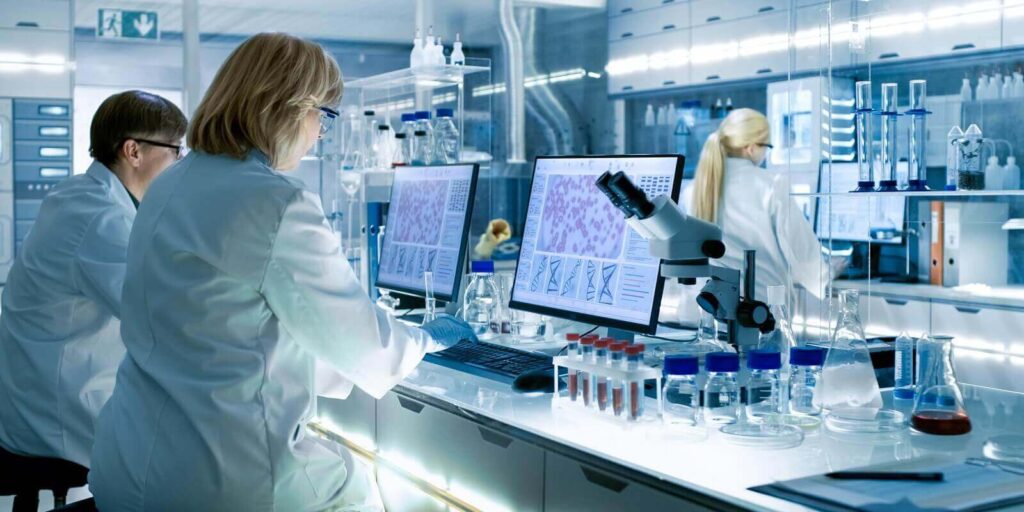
(642,374)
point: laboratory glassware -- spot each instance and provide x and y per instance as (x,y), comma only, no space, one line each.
(649,116)
(399,157)
(781,338)
(354,140)
(970,175)
(889,157)
(918,168)
(429,304)
(409,129)
(865,162)
(953,139)
(681,396)
(804,379)
(764,387)
(848,378)
(384,300)
(617,359)
(481,298)
(367,151)
(939,406)
(572,350)
(458,58)
(424,124)
(993,174)
(965,89)
(421,149)
(903,387)
(721,392)
(416,56)
(383,149)
(635,398)
(587,356)
(599,383)
(446,138)
(1011,174)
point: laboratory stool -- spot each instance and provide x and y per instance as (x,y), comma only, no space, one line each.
(24,477)
(88,505)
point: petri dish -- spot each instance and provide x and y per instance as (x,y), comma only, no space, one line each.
(801,421)
(1005,448)
(763,435)
(865,420)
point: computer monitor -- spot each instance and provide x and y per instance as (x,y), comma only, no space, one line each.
(877,219)
(579,259)
(427,227)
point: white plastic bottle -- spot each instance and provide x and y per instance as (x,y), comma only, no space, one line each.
(1011,174)
(458,58)
(992,93)
(996,85)
(660,117)
(965,90)
(981,91)
(1007,91)
(649,117)
(446,138)
(993,174)
(1018,85)
(438,52)
(416,57)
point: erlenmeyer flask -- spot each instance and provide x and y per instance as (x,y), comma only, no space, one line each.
(939,407)
(707,334)
(848,378)
(781,338)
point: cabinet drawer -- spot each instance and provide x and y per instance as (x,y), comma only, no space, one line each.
(45,110)
(35,14)
(714,11)
(39,171)
(888,316)
(26,209)
(43,151)
(675,16)
(572,486)
(356,416)
(989,332)
(720,52)
(474,461)
(42,130)
(912,29)
(623,7)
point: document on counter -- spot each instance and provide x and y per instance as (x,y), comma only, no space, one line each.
(966,487)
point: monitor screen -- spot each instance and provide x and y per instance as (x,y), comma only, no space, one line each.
(579,259)
(426,229)
(877,219)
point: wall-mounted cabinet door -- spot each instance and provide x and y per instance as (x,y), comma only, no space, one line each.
(36,81)
(661,66)
(674,16)
(704,12)
(740,49)
(980,336)
(904,29)
(623,7)
(35,14)
(889,316)
(811,36)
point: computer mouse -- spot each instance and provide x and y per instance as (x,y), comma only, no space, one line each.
(536,381)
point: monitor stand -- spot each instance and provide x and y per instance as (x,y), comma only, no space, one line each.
(621,334)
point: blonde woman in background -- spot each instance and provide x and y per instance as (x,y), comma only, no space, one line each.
(754,209)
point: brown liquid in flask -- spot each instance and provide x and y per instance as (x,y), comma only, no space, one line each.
(941,423)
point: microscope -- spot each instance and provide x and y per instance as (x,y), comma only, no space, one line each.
(685,246)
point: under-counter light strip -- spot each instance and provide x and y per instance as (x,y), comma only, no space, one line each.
(11,62)
(882,26)
(554,77)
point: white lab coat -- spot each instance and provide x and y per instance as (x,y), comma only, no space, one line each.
(235,289)
(60,340)
(756,212)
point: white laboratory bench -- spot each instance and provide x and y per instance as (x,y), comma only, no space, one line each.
(500,450)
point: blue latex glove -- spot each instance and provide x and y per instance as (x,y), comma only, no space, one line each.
(446,331)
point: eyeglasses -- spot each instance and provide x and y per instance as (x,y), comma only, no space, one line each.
(178,149)
(327,117)
(766,145)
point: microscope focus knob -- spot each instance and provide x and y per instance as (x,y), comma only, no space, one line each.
(752,314)
(713,249)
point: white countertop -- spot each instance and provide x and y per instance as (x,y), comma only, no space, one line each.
(700,459)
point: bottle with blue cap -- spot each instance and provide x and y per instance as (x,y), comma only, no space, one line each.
(764,388)
(446,138)
(409,129)
(481,300)
(805,373)
(681,395)
(424,125)
(722,391)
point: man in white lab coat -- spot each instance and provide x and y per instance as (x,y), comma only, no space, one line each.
(60,341)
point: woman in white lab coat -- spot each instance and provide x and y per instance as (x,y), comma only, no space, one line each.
(235,292)
(755,211)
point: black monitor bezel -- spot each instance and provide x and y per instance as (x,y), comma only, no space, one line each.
(822,194)
(652,325)
(463,244)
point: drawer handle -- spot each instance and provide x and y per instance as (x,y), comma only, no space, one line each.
(612,484)
(764,71)
(627,87)
(627,34)
(668,82)
(410,405)
(626,10)
(713,77)
(896,302)
(713,19)
(26,24)
(964,46)
(891,55)
(495,438)
(967,310)
(668,27)
(766,8)
(663,2)
(54,172)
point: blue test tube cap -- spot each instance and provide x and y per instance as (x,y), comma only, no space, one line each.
(422,114)
(408,117)
(764,360)
(722,362)
(807,356)
(445,112)
(482,267)
(681,365)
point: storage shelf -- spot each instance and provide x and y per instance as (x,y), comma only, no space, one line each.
(931,193)
(428,76)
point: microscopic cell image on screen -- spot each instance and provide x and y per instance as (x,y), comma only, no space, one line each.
(579,257)
(426,228)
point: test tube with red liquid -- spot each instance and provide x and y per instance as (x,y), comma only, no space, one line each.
(635,393)
(586,355)
(573,352)
(617,359)
(600,382)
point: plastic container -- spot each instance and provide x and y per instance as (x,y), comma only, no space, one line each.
(953,157)
(617,359)
(805,374)
(586,355)
(1011,174)
(970,176)
(458,58)
(863,420)
(599,383)
(481,299)
(446,138)
(572,350)
(903,388)
(764,387)
(721,392)
(635,389)
(681,395)
(993,174)
(888,181)
(965,90)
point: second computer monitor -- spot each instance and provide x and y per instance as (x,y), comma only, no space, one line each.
(579,259)
(426,229)
(877,219)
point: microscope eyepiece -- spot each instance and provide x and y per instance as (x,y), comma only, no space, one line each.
(631,197)
(602,185)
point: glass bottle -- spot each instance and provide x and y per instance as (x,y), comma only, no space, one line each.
(721,392)
(399,157)
(805,375)
(480,301)
(939,407)
(780,339)
(421,149)
(764,387)
(848,378)
(681,396)
(367,149)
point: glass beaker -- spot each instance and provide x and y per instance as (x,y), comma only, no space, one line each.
(848,378)
(888,183)
(429,305)
(939,407)
(865,164)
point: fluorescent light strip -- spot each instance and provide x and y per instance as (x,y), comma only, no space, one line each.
(567,75)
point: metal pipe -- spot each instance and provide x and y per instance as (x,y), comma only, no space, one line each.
(512,44)
(749,269)
(190,54)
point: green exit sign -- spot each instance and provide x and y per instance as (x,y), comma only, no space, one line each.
(124,24)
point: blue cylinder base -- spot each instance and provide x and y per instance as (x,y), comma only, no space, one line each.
(950,188)
(865,186)
(917,186)
(887,186)
(903,393)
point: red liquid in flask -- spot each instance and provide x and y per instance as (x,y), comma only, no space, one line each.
(617,399)
(941,423)
(573,385)
(602,394)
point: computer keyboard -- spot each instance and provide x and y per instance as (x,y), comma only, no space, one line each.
(488,360)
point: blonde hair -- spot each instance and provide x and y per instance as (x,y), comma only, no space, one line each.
(261,95)
(741,128)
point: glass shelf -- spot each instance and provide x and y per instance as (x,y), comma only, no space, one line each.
(907,193)
(429,76)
